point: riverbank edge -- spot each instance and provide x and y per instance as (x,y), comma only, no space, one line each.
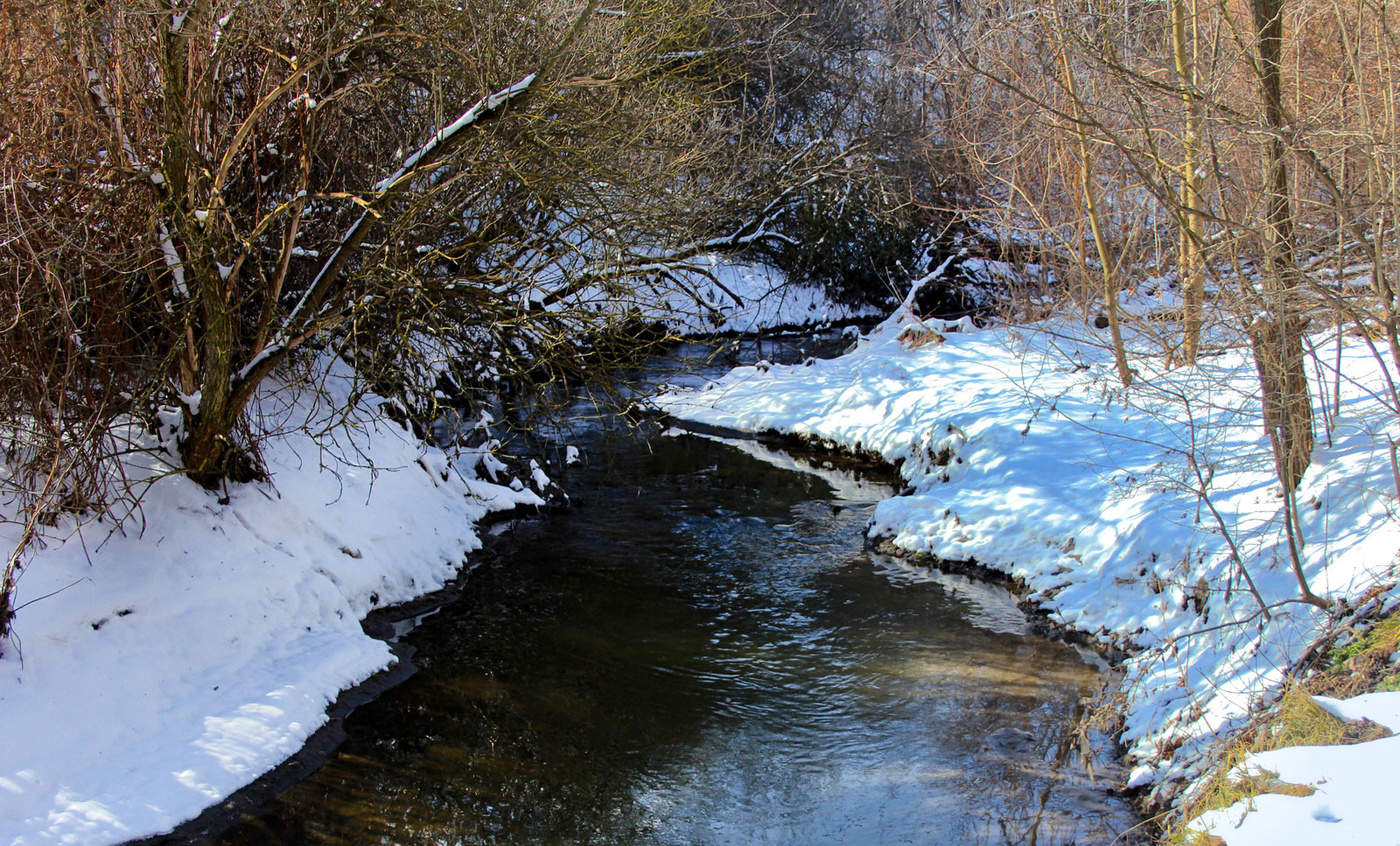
(1019,451)
(1101,709)
(1114,648)
(501,533)
(368,576)
(1111,646)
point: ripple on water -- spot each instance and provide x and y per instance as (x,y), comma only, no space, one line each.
(715,661)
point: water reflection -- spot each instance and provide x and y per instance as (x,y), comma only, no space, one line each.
(702,653)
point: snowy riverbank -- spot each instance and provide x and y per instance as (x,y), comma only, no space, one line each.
(1023,453)
(161,665)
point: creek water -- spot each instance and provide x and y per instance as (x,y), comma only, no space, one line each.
(702,651)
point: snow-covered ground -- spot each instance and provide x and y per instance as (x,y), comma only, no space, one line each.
(724,294)
(1023,453)
(1354,802)
(160,666)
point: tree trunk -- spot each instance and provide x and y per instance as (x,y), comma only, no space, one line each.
(1278,357)
(208,453)
(228,372)
(1107,266)
(1277,336)
(1189,248)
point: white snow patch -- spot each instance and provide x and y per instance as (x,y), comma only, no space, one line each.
(1354,798)
(170,662)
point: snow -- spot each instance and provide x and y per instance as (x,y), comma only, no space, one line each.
(767,300)
(159,666)
(162,665)
(1023,453)
(1355,788)
(469,118)
(172,260)
(477,112)
(845,485)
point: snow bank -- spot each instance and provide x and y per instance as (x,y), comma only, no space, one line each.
(1023,453)
(162,665)
(767,301)
(714,293)
(1354,798)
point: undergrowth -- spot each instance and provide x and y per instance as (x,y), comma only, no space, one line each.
(1363,664)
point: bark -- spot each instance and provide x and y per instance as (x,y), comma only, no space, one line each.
(206,449)
(1278,357)
(1191,278)
(227,384)
(1277,336)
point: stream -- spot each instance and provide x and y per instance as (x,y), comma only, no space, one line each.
(702,651)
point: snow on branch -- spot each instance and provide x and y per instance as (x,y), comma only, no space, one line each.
(482,108)
(708,51)
(437,147)
(97,90)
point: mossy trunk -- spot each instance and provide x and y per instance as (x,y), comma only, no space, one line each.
(208,453)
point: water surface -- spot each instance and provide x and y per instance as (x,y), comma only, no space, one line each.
(702,652)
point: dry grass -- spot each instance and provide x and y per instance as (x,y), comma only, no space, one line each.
(1362,666)
(1295,721)
(914,337)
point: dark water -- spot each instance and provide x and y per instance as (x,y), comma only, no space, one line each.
(702,652)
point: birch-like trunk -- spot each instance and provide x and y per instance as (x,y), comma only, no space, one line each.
(1189,271)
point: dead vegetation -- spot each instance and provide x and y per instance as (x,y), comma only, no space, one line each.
(1364,663)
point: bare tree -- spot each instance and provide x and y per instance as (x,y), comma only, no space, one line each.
(195,194)
(1193,138)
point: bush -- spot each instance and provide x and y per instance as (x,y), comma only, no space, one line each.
(853,241)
